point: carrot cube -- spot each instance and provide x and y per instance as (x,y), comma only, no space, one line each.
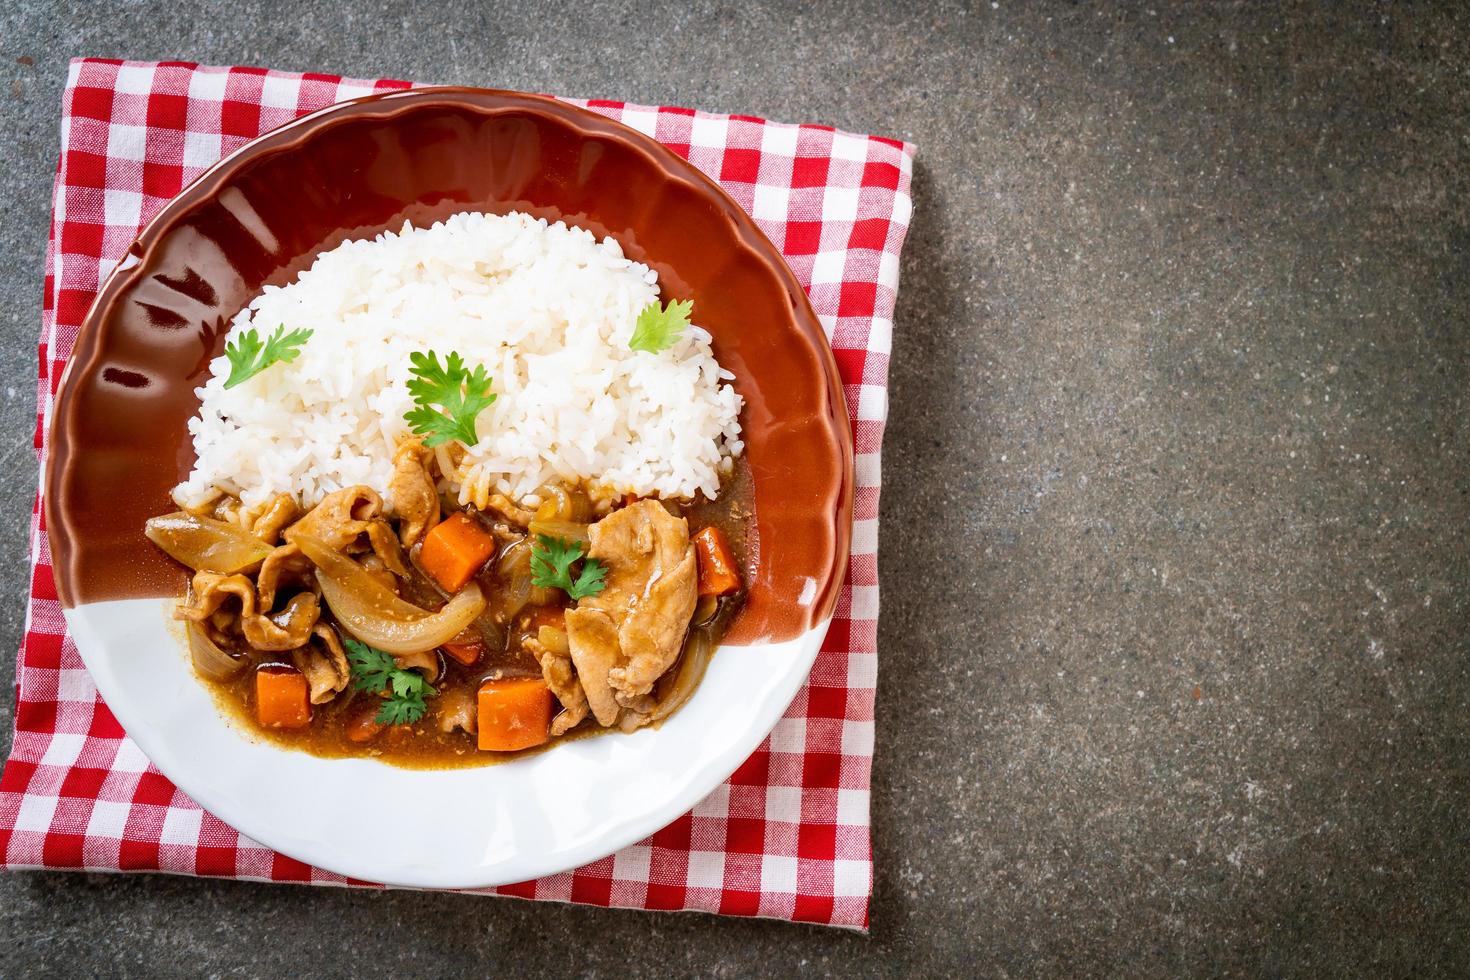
(717,575)
(281,697)
(514,714)
(464,653)
(455,550)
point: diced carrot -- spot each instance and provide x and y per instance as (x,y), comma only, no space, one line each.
(514,714)
(365,726)
(465,653)
(717,575)
(281,697)
(455,550)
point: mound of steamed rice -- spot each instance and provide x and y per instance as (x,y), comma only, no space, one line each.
(548,310)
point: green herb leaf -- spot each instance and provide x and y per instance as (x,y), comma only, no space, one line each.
(551,561)
(376,671)
(551,567)
(249,356)
(462,393)
(372,669)
(657,328)
(401,711)
(592,580)
(408,684)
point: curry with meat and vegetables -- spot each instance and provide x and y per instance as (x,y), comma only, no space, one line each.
(430,634)
(396,554)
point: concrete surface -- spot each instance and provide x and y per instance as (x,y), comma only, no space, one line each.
(1174,552)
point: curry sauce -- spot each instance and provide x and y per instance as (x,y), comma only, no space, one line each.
(505,638)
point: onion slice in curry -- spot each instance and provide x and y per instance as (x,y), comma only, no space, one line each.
(205,544)
(568,531)
(210,661)
(678,685)
(372,613)
(514,565)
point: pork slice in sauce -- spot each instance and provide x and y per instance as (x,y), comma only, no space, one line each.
(208,591)
(284,630)
(624,638)
(280,512)
(594,641)
(561,677)
(341,518)
(344,518)
(426,661)
(324,663)
(412,490)
(285,565)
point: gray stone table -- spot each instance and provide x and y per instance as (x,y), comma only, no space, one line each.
(1176,610)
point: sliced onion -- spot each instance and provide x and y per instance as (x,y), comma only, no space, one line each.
(560,504)
(350,577)
(568,531)
(514,568)
(210,661)
(581,506)
(205,544)
(553,502)
(677,686)
(705,609)
(372,613)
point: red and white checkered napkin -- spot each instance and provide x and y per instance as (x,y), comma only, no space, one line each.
(788,835)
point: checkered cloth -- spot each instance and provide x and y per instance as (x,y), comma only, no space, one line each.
(788,835)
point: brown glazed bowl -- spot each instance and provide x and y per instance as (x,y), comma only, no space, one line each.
(260,217)
(120,444)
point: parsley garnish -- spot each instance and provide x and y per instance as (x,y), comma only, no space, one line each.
(657,328)
(372,669)
(248,356)
(551,567)
(376,671)
(464,394)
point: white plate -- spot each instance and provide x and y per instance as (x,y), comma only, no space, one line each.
(457,828)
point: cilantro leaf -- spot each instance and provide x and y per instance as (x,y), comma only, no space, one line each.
(551,561)
(408,684)
(462,393)
(249,356)
(401,711)
(376,671)
(592,580)
(372,669)
(551,567)
(657,328)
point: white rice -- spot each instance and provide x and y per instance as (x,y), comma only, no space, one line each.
(548,310)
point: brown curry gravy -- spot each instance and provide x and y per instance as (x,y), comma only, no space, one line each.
(422,745)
